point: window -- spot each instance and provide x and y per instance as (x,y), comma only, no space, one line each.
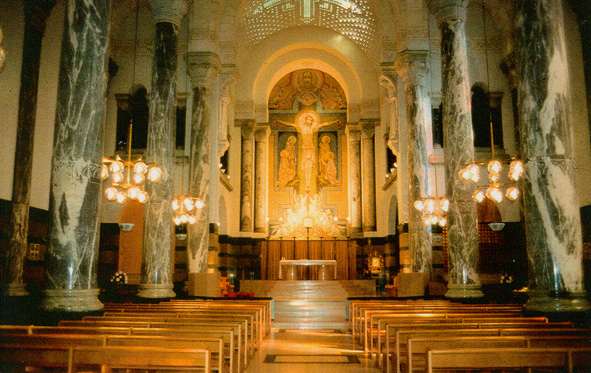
(486,109)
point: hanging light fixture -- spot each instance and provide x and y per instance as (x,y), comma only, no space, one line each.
(492,190)
(185,207)
(128,177)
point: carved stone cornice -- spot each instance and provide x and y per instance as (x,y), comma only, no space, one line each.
(203,68)
(411,65)
(448,10)
(171,11)
(353,133)
(368,127)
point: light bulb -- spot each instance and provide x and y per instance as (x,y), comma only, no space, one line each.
(434,219)
(111,193)
(116,166)
(121,198)
(191,219)
(140,168)
(154,174)
(474,171)
(142,197)
(493,176)
(199,204)
(465,174)
(139,178)
(427,220)
(516,165)
(175,204)
(494,166)
(512,193)
(188,203)
(176,220)
(478,196)
(104,172)
(184,218)
(133,192)
(494,194)
(118,177)
(430,205)
(419,205)
(443,221)
(444,204)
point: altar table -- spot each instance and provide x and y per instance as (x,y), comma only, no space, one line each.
(323,272)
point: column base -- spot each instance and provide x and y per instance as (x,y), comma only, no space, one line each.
(460,291)
(156,291)
(541,301)
(70,300)
(15,289)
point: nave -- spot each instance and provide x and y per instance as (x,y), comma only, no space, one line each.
(301,350)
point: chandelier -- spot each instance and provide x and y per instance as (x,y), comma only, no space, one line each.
(128,177)
(433,210)
(493,190)
(185,207)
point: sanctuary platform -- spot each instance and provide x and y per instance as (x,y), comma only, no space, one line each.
(318,305)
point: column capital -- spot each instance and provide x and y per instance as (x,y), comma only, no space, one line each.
(368,127)
(447,10)
(353,133)
(171,11)
(411,65)
(203,68)
(247,128)
(261,134)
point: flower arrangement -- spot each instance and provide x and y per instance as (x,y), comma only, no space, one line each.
(119,278)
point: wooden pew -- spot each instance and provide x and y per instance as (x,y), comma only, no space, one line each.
(148,327)
(418,347)
(395,348)
(136,357)
(226,334)
(17,357)
(567,359)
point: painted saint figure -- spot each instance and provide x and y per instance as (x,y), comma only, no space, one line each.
(307,124)
(287,163)
(327,168)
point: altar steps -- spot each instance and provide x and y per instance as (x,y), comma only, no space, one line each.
(318,305)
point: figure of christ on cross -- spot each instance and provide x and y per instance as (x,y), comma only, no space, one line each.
(307,123)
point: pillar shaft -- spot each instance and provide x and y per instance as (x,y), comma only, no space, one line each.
(412,67)
(459,149)
(354,137)
(157,254)
(261,181)
(204,68)
(36,14)
(246,176)
(552,217)
(369,176)
(72,254)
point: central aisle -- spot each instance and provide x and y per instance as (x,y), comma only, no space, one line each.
(309,351)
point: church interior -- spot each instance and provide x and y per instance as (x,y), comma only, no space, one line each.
(308,171)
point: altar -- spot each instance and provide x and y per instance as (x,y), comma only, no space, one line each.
(288,269)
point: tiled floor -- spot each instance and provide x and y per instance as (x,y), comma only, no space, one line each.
(310,351)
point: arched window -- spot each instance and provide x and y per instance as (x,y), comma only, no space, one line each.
(486,108)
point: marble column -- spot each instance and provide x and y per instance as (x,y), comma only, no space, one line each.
(246,176)
(157,253)
(462,231)
(412,67)
(72,253)
(261,170)
(203,68)
(552,217)
(36,13)
(369,176)
(354,137)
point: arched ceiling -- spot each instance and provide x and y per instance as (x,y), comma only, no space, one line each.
(355,19)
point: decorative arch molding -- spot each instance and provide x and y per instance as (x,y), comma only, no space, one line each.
(284,52)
